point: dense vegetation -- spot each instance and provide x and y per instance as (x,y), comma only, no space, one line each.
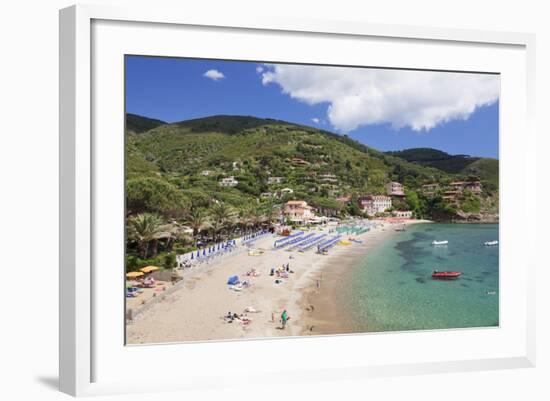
(484,168)
(173,173)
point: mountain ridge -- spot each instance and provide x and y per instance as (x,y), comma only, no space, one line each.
(318,165)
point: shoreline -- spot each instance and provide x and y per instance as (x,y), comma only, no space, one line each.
(322,310)
(194,312)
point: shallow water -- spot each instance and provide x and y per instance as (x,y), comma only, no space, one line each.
(392,288)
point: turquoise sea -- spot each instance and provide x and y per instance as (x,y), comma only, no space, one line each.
(392,289)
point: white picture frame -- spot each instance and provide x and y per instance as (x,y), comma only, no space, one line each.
(80,182)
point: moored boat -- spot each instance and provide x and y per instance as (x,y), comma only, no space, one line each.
(446,274)
(490,243)
(440,242)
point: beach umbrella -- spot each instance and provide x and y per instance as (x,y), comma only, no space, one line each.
(134,274)
(149,269)
(204,252)
(191,255)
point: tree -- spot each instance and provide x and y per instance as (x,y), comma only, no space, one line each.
(414,204)
(271,212)
(143,229)
(170,261)
(196,219)
(154,195)
(222,216)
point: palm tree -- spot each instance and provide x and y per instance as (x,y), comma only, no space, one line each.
(144,228)
(196,219)
(272,212)
(222,216)
(171,232)
(245,217)
(257,217)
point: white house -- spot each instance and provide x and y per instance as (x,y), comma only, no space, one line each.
(403,214)
(206,173)
(274,180)
(228,182)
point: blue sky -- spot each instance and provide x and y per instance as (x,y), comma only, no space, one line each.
(385,109)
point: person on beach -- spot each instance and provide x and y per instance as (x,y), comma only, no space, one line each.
(284,319)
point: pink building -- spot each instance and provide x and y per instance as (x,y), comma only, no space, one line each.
(474,186)
(298,211)
(372,204)
(395,189)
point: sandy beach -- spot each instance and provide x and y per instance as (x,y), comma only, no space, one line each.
(195,311)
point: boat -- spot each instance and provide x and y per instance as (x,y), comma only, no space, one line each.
(440,242)
(490,243)
(445,275)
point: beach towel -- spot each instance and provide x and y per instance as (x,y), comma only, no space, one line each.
(233,280)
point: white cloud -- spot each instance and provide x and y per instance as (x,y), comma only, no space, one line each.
(259,69)
(360,96)
(214,75)
(316,120)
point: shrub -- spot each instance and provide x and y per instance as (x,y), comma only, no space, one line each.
(170,261)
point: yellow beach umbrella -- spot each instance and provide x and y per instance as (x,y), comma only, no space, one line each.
(134,274)
(149,269)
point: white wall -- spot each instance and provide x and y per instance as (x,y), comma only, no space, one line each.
(28,201)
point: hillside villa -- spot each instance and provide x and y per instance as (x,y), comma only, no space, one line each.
(228,182)
(298,211)
(395,189)
(266,195)
(473,186)
(372,204)
(453,190)
(206,173)
(346,199)
(274,180)
(299,162)
(328,178)
(403,214)
(429,189)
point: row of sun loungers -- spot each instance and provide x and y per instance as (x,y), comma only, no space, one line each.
(284,241)
(249,239)
(297,241)
(328,243)
(312,242)
(306,240)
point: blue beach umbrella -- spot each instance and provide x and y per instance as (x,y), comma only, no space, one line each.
(204,252)
(191,255)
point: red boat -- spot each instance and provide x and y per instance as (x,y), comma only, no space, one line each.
(444,275)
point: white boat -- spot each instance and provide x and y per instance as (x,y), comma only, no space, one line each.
(490,243)
(440,242)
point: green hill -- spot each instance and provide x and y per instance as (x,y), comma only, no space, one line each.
(186,161)
(138,124)
(453,164)
(485,169)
